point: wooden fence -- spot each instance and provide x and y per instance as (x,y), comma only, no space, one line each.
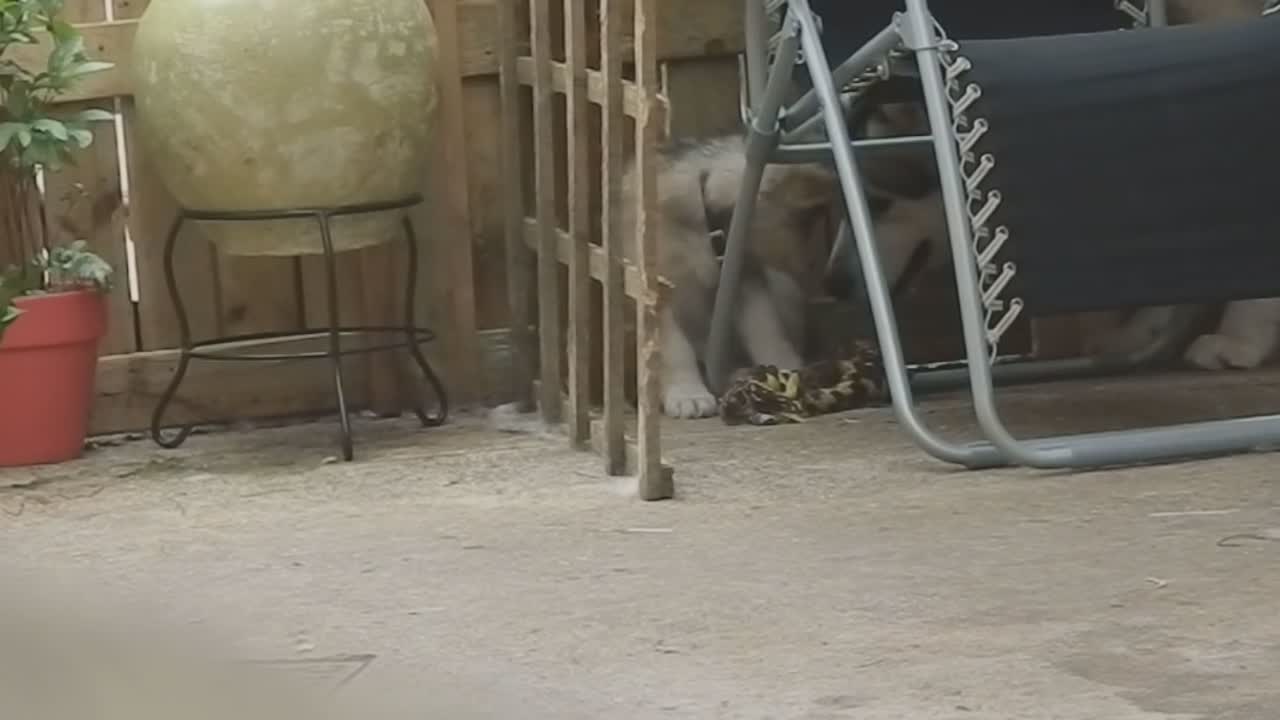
(463,285)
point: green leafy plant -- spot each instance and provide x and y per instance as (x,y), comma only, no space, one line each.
(32,134)
(58,269)
(35,137)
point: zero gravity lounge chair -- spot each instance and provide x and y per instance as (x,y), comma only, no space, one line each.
(1084,166)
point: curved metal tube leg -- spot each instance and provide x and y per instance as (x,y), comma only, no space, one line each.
(1089,450)
(411,338)
(973,456)
(763,135)
(335,335)
(184,336)
(920,32)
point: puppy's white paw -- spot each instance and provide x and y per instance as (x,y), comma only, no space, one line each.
(688,400)
(1222,352)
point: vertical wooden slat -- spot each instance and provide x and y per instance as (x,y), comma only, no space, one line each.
(84,202)
(20,217)
(579,196)
(151,210)
(381,298)
(351,311)
(446,295)
(517,253)
(545,211)
(257,294)
(614,295)
(655,483)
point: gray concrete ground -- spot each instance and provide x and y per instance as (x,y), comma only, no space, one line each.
(811,572)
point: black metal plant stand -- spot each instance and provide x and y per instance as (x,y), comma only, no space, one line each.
(412,338)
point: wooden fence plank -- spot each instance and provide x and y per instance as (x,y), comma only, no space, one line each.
(108,41)
(685,30)
(614,295)
(579,196)
(655,482)
(351,311)
(545,211)
(381,299)
(150,212)
(518,262)
(84,202)
(128,387)
(129,8)
(688,30)
(446,289)
(258,294)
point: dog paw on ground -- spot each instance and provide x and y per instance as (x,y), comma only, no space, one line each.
(1223,352)
(688,401)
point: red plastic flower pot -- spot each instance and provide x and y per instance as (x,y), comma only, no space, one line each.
(48,359)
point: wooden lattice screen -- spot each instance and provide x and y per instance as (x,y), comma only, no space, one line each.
(591,71)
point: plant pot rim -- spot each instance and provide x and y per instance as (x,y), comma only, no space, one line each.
(54,294)
(57,318)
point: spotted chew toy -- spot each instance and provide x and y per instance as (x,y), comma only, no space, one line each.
(766,395)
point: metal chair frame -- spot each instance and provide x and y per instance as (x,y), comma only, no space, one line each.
(776,132)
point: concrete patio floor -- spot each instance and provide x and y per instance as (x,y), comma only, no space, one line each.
(812,572)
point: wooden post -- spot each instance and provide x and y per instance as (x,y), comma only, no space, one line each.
(579,197)
(614,301)
(655,483)
(545,211)
(446,268)
(84,202)
(517,252)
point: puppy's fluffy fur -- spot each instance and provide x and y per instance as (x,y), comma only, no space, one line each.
(698,185)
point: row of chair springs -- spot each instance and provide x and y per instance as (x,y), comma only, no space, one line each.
(981,205)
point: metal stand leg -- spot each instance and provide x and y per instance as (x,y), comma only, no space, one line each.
(411,338)
(184,335)
(763,135)
(335,334)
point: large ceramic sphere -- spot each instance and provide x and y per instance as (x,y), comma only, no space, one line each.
(274,104)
